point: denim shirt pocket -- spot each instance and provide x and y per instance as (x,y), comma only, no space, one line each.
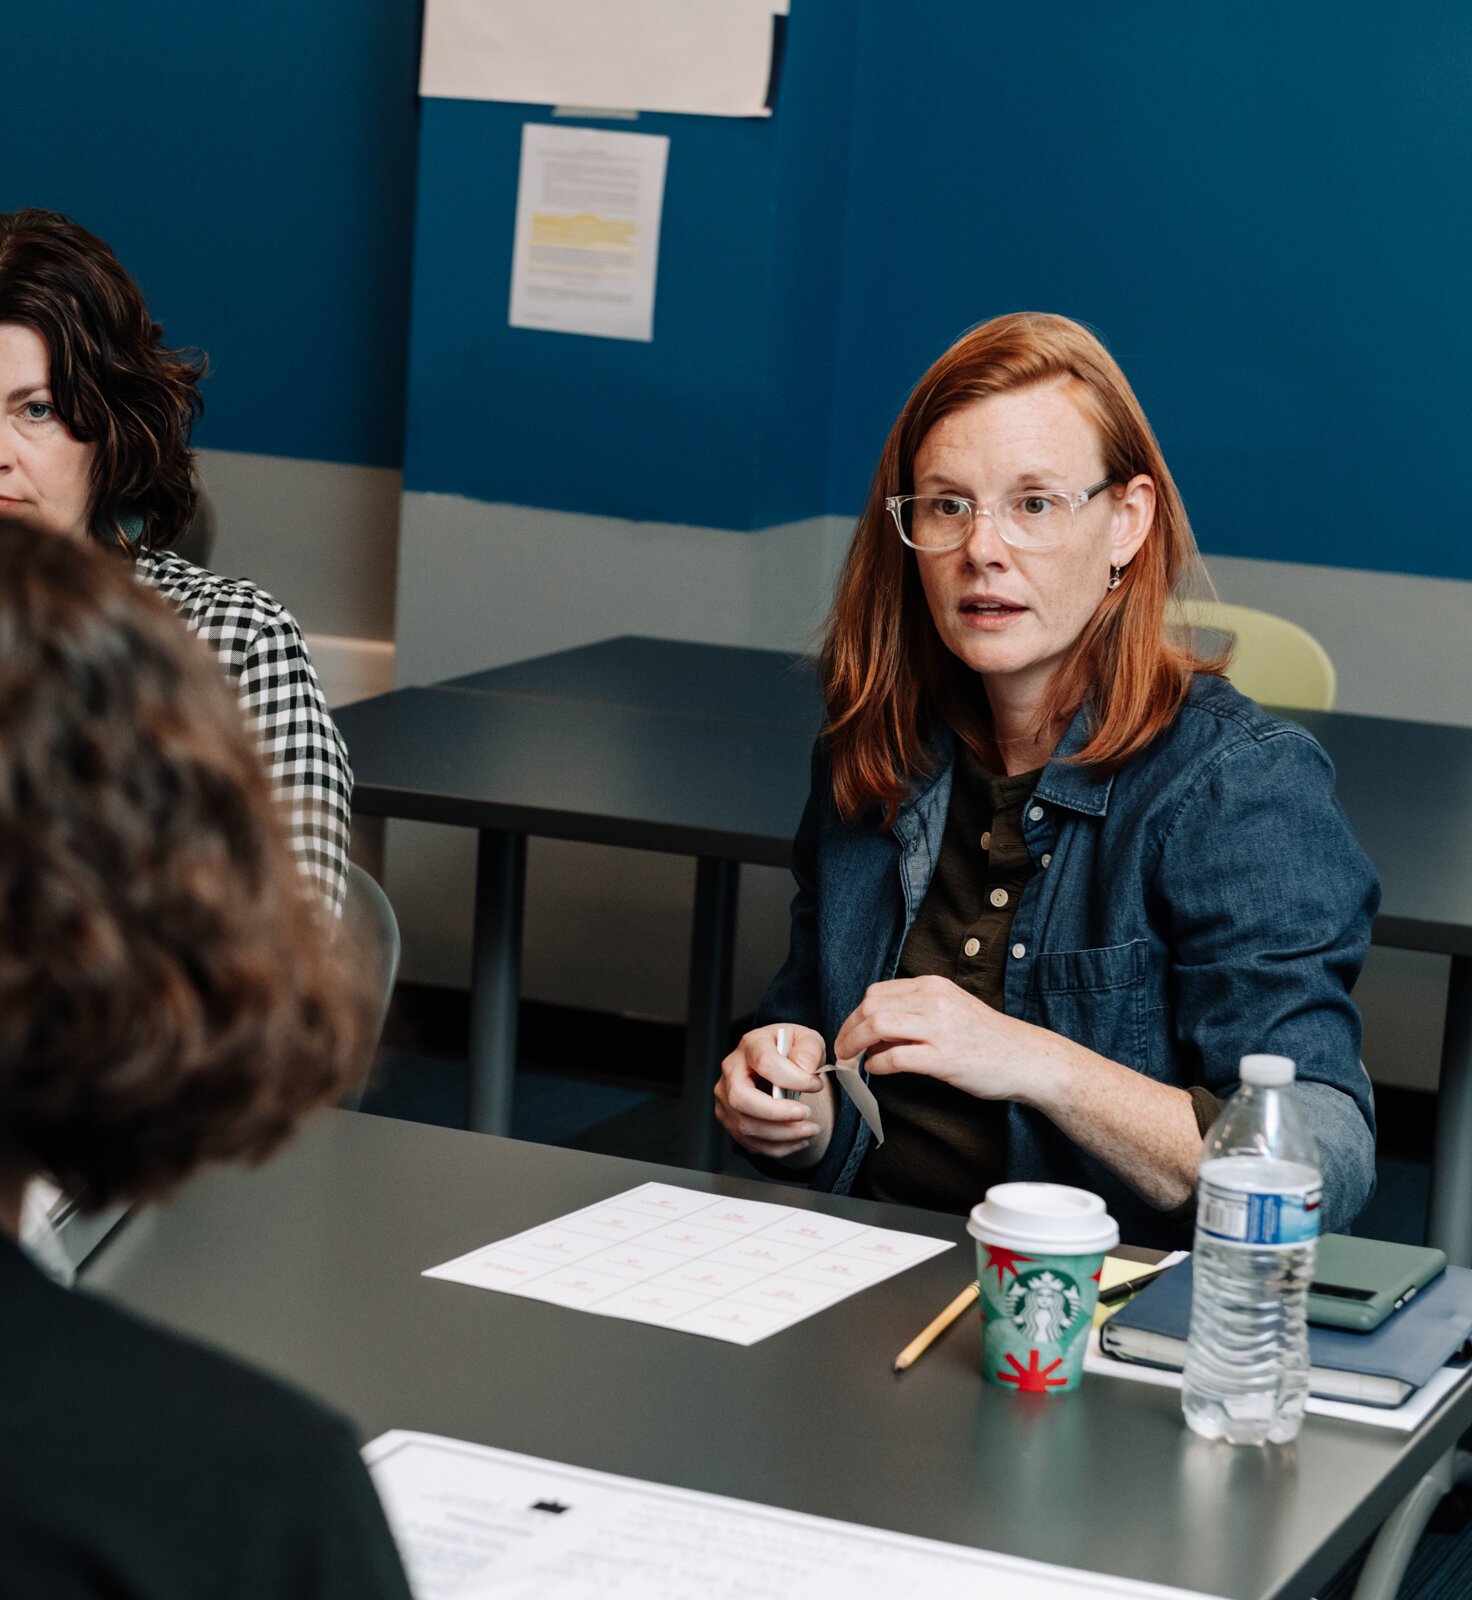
(1097,998)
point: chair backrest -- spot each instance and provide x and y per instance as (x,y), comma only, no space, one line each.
(198,542)
(369,920)
(1276,662)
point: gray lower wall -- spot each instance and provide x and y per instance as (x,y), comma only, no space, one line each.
(1402,647)
(609,930)
(481,585)
(321,537)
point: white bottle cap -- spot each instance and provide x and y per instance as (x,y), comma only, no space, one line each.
(1269,1072)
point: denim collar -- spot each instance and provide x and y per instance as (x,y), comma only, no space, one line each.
(908,822)
(1063,783)
(1066,783)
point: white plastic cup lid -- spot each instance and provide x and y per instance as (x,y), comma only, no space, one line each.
(1269,1072)
(1050,1218)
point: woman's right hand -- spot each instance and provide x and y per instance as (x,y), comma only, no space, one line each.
(796,1131)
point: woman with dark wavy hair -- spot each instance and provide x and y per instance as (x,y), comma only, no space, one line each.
(168,997)
(1055,876)
(95,444)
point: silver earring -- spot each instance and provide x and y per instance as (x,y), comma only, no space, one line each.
(1115,574)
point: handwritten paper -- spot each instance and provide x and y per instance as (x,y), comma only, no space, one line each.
(482,1524)
(737,1270)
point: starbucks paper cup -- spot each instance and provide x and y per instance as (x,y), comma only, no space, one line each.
(1039,1248)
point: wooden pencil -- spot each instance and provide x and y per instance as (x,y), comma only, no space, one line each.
(933,1330)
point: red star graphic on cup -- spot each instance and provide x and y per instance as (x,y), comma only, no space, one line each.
(1002,1260)
(1032,1379)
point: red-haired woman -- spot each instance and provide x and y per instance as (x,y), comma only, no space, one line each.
(94,443)
(1055,876)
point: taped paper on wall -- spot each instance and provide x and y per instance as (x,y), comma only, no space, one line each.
(586,249)
(710,57)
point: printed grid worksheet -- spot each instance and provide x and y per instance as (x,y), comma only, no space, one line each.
(736,1270)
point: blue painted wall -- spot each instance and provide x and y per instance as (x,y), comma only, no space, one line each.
(713,422)
(253,167)
(1263,208)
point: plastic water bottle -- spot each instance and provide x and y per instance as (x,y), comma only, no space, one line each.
(1257,1229)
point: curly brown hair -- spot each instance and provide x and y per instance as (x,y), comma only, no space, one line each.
(113,380)
(170,993)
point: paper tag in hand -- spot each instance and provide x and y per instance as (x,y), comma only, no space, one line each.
(851,1081)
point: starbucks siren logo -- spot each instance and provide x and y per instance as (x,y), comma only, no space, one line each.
(1043,1305)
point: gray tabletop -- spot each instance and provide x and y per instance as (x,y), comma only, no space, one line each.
(728,788)
(677,675)
(310,1267)
(703,749)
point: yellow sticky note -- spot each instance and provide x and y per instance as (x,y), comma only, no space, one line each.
(1115,1270)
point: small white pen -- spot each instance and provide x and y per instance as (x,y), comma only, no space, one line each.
(784,1044)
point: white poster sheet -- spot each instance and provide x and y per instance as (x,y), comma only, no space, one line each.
(710,57)
(736,1270)
(586,249)
(476,1523)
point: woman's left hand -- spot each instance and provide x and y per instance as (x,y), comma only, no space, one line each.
(930,1025)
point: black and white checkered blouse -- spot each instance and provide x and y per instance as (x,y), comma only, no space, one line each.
(261,647)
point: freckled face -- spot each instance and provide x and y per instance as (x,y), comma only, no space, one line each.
(45,474)
(1011,615)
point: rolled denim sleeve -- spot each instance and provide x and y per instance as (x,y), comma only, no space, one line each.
(1269,901)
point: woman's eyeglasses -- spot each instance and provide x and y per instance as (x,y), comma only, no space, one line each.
(1031,520)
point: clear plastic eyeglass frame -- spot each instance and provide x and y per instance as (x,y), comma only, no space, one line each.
(1009,516)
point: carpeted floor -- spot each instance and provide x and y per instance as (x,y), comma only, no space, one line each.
(555,1107)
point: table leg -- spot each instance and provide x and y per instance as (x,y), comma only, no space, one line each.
(495,977)
(1449,1223)
(708,1014)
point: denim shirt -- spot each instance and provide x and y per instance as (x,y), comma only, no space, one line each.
(1205,902)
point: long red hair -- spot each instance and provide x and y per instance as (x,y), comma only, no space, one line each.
(888,679)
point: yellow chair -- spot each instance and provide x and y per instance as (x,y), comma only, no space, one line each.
(1276,662)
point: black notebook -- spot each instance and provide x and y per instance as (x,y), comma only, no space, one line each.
(1380,1368)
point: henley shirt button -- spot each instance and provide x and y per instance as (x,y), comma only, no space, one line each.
(1036,814)
(971,946)
(986,841)
(998,898)
(1018,951)
(1047,859)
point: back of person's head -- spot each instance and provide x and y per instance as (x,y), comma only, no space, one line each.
(170,991)
(113,380)
(886,671)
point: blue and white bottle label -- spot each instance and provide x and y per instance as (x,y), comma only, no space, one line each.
(1239,1216)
